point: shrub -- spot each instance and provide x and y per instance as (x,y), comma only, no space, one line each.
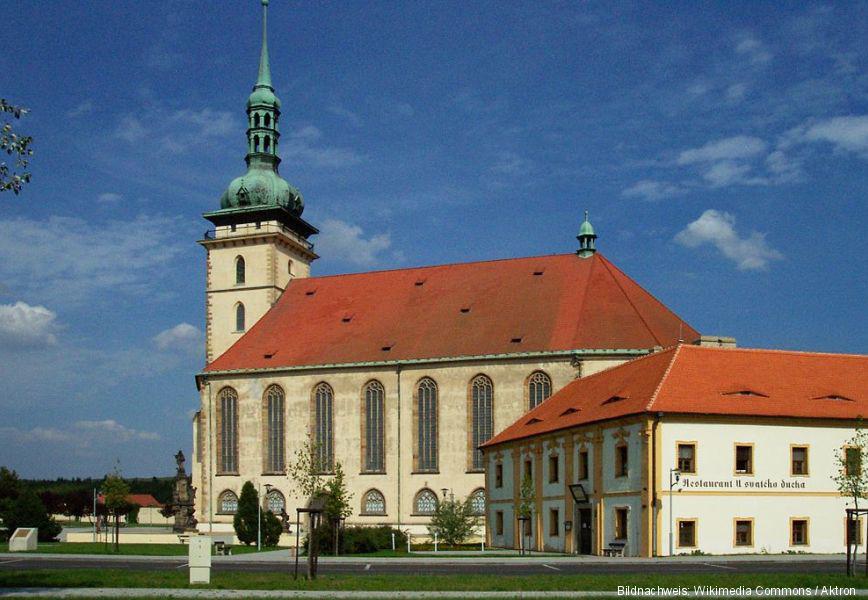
(358,539)
(271,529)
(454,521)
(27,510)
(246,517)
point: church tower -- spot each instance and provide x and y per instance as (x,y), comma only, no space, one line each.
(260,242)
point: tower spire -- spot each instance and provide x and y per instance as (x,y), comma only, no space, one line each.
(264,78)
(586,237)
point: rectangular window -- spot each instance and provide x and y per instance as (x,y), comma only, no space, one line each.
(620,523)
(687,533)
(687,457)
(743,459)
(553,469)
(743,532)
(584,464)
(798,532)
(528,469)
(498,475)
(554,522)
(799,460)
(498,523)
(621,466)
(852,461)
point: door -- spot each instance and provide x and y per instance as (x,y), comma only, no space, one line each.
(584,531)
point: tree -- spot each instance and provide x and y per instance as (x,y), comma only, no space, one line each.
(527,498)
(10,485)
(115,491)
(14,145)
(454,521)
(271,529)
(305,471)
(246,520)
(27,510)
(852,478)
(337,502)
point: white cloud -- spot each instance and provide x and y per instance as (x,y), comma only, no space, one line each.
(729,172)
(736,147)
(178,131)
(130,129)
(751,47)
(182,336)
(648,189)
(512,164)
(69,260)
(115,429)
(718,229)
(736,92)
(108,197)
(342,241)
(846,133)
(25,326)
(82,434)
(345,113)
(300,147)
(81,109)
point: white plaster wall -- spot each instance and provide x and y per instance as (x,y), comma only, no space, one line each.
(634,519)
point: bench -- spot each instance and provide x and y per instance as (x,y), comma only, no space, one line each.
(184,538)
(615,549)
(222,547)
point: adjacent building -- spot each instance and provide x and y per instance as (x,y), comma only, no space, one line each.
(690,449)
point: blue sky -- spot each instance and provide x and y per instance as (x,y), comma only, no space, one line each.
(720,148)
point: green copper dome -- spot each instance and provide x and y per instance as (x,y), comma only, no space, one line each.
(586,228)
(263,96)
(262,186)
(586,238)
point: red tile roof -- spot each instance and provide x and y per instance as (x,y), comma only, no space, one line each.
(143,500)
(703,380)
(539,304)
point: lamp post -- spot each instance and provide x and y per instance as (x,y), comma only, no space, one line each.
(268,488)
(674,477)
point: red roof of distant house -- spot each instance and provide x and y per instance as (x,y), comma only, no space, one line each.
(143,500)
(514,306)
(710,381)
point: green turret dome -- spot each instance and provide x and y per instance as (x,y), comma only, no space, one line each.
(262,186)
(586,238)
(263,96)
(586,228)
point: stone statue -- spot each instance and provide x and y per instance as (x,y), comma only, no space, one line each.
(183,496)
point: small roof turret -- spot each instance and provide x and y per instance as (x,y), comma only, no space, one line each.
(586,237)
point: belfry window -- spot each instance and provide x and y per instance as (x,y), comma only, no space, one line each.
(227,431)
(426,425)
(256,119)
(267,120)
(323,398)
(482,411)
(240,270)
(239,317)
(267,143)
(256,143)
(274,430)
(539,388)
(374,459)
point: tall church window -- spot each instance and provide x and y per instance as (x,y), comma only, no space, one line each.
(227,418)
(240,270)
(373,503)
(426,425)
(323,414)
(274,430)
(239,317)
(425,502)
(539,388)
(228,503)
(482,416)
(374,424)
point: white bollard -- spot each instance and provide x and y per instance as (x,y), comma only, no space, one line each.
(393,541)
(200,559)
(408,543)
(482,543)
(435,542)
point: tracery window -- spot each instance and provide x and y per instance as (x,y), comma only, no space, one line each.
(477,501)
(539,388)
(228,502)
(275,502)
(482,411)
(227,405)
(425,502)
(239,317)
(240,270)
(323,409)
(426,425)
(373,503)
(374,423)
(274,430)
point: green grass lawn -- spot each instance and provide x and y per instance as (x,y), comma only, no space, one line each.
(124,549)
(89,578)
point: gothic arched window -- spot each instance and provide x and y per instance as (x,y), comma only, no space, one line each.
(227,431)
(477,501)
(426,425)
(228,503)
(239,317)
(323,426)
(373,503)
(425,502)
(274,430)
(482,415)
(374,424)
(275,502)
(240,270)
(539,388)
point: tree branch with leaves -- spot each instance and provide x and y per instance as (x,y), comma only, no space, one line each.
(14,145)
(851,478)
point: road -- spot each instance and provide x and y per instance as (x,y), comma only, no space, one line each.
(440,566)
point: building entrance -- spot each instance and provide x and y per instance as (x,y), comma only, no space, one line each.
(584,531)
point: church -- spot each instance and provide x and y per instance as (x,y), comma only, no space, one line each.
(399,375)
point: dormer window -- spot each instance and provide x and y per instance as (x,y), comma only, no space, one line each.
(834,397)
(746,393)
(613,399)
